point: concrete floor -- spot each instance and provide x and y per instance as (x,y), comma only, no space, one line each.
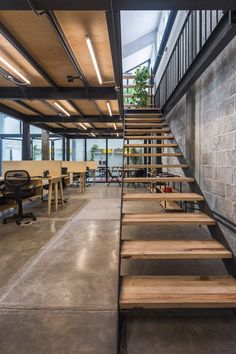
(59,277)
(58,284)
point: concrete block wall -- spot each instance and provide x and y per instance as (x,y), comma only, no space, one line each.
(204,124)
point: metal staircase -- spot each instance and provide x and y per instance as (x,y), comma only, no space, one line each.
(174,291)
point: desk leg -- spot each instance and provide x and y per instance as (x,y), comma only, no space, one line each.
(71,179)
(49,197)
(61,193)
(56,195)
(85,182)
(94,176)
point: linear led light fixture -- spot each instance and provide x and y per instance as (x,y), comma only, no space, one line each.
(9,66)
(83,126)
(114,125)
(117,135)
(109,108)
(61,109)
(94,60)
(93,135)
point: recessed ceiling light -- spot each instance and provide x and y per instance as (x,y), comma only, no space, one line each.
(62,109)
(83,126)
(109,108)
(9,66)
(94,60)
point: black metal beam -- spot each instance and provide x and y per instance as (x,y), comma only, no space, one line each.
(96,137)
(62,38)
(89,130)
(71,119)
(76,107)
(218,40)
(119,5)
(26,141)
(12,112)
(21,49)
(114,30)
(166,35)
(25,105)
(63,93)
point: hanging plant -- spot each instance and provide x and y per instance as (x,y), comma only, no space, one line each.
(140,95)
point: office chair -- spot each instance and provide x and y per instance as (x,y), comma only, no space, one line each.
(17,187)
(46,186)
(112,178)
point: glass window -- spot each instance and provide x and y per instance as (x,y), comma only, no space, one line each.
(9,125)
(11,149)
(57,149)
(35,130)
(78,149)
(115,152)
(96,151)
(37,149)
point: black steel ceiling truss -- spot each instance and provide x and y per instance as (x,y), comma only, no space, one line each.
(89,130)
(119,5)
(63,93)
(71,119)
(114,30)
(62,38)
(19,47)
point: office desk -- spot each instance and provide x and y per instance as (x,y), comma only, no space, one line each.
(52,181)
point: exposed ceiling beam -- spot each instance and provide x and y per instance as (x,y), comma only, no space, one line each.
(138,44)
(119,5)
(114,31)
(11,112)
(89,130)
(63,93)
(92,137)
(20,48)
(72,119)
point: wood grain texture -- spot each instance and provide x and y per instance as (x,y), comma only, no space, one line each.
(163,196)
(157,179)
(149,137)
(177,292)
(174,249)
(168,219)
(155,166)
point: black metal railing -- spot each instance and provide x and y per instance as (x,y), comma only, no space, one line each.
(197,28)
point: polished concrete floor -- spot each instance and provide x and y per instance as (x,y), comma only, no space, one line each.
(58,284)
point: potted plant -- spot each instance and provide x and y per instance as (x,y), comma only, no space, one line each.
(140,95)
(93,150)
(134,159)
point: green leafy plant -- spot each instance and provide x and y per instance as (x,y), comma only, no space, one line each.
(134,159)
(140,95)
(93,150)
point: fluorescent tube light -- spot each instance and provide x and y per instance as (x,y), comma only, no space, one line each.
(94,60)
(9,66)
(109,108)
(62,109)
(114,125)
(93,135)
(83,126)
(117,135)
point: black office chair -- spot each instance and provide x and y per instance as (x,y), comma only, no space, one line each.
(17,187)
(112,178)
(46,186)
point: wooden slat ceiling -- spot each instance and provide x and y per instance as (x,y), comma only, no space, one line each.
(37,36)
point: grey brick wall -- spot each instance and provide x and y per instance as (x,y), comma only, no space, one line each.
(212,103)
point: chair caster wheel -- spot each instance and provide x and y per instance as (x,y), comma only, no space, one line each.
(4,221)
(18,222)
(34,218)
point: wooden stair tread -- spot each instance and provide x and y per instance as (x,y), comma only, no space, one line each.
(147,130)
(174,249)
(151,124)
(151,145)
(170,154)
(163,196)
(177,292)
(149,137)
(168,219)
(157,179)
(155,166)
